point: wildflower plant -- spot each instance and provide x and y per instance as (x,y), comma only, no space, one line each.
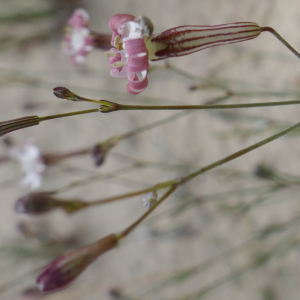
(134,45)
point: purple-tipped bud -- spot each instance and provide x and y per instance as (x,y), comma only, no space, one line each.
(16,124)
(65,269)
(64,93)
(99,153)
(35,203)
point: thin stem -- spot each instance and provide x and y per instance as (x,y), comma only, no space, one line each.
(84,181)
(139,192)
(69,114)
(281,39)
(183,180)
(192,107)
(145,215)
(152,125)
(241,152)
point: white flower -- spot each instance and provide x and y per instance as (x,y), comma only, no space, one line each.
(32,164)
(149,199)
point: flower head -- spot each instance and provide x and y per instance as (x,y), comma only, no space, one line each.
(65,269)
(130,57)
(32,164)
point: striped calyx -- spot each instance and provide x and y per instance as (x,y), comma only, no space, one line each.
(184,40)
(16,124)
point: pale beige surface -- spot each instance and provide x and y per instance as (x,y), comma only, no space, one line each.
(192,140)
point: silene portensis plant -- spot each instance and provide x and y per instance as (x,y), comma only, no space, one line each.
(130,48)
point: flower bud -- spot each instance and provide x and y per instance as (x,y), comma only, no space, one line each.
(64,93)
(65,269)
(35,203)
(43,202)
(99,153)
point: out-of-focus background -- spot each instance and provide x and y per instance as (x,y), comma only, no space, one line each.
(232,233)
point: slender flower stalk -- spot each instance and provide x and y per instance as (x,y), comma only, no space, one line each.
(183,180)
(108,106)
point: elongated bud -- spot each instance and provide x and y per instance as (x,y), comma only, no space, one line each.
(100,151)
(184,40)
(64,93)
(65,269)
(16,124)
(37,203)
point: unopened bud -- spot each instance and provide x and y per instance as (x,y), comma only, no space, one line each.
(99,153)
(37,203)
(16,124)
(65,269)
(64,93)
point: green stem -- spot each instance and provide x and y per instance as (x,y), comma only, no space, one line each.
(191,107)
(139,192)
(281,39)
(75,113)
(183,180)
(152,125)
(241,152)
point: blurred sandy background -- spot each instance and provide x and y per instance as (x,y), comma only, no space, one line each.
(161,246)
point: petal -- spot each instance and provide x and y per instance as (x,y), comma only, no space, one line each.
(138,55)
(137,85)
(119,19)
(79,19)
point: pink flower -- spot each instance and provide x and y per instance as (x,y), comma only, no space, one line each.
(135,45)
(130,59)
(79,40)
